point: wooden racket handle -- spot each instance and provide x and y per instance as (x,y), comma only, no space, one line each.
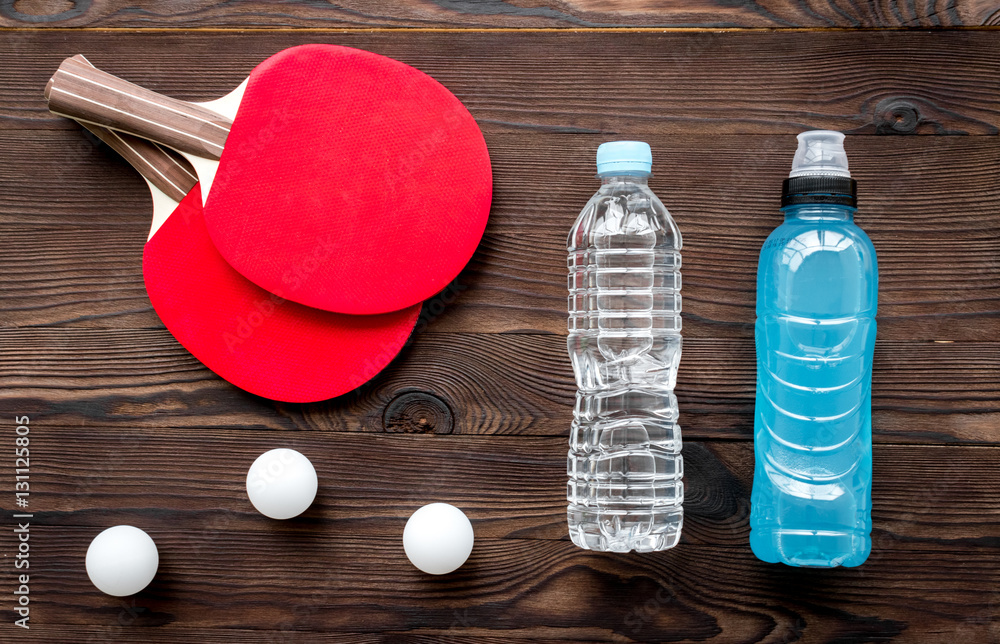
(82,92)
(171,174)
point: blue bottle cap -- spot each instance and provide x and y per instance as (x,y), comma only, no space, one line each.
(625,157)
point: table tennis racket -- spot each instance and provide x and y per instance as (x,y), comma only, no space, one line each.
(252,338)
(334,177)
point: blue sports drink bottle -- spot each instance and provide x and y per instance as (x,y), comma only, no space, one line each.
(817,292)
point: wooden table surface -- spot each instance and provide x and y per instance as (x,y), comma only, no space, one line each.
(127,427)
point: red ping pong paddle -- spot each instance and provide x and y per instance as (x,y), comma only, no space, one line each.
(254,339)
(335,177)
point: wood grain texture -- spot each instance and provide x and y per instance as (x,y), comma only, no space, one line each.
(513,487)
(497,13)
(934,563)
(127,427)
(321,581)
(606,83)
(516,384)
(928,203)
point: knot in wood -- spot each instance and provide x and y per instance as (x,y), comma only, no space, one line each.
(417,412)
(44,11)
(896,116)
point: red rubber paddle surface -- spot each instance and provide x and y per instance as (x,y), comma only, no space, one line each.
(252,338)
(349,182)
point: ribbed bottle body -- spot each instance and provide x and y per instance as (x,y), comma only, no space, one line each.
(624,466)
(817,291)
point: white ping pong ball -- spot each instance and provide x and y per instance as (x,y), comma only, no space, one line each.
(438,538)
(282,483)
(122,560)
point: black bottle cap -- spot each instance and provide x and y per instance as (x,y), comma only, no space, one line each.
(827,189)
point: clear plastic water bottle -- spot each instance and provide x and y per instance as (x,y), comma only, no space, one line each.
(817,287)
(625,467)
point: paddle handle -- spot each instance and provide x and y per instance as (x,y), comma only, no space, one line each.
(171,174)
(82,92)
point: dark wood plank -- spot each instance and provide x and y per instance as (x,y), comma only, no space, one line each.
(565,82)
(495,13)
(510,486)
(933,568)
(519,589)
(72,254)
(923,392)
(122,627)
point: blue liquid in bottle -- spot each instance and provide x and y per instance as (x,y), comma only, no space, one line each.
(817,291)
